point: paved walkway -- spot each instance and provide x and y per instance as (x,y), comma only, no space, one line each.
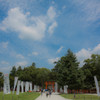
(52,97)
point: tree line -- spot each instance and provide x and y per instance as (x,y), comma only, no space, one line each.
(66,72)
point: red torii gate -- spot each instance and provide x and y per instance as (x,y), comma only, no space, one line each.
(52,83)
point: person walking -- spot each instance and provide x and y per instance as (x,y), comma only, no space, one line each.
(49,92)
(41,92)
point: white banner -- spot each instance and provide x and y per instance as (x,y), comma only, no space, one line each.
(30,86)
(65,88)
(35,88)
(25,86)
(22,87)
(97,86)
(15,82)
(18,87)
(61,90)
(6,84)
(56,87)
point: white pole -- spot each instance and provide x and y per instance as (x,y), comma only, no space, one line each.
(15,83)
(21,86)
(18,88)
(97,86)
(6,88)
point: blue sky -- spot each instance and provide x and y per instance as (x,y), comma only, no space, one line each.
(42,31)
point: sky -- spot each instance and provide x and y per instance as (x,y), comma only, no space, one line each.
(42,31)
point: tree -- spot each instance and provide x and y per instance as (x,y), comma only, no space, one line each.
(52,75)
(67,70)
(80,79)
(1,79)
(19,72)
(12,75)
(33,64)
(42,76)
(13,71)
(29,74)
(91,68)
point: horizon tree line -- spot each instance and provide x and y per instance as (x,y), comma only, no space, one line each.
(66,72)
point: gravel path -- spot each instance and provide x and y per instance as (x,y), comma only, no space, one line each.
(54,96)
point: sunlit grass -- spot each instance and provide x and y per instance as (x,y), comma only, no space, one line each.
(80,97)
(21,96)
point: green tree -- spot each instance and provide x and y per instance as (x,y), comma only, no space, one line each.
(12,75)
(13,71)
(91,68)
(67,70)
(52,75)
(42,76)
(33,64)
(19,72)
(80,79)
(1,79)
(29,74)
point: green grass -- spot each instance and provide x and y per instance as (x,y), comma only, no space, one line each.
(80,97)
(21,96)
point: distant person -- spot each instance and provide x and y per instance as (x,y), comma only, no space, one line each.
(49,92)
(41,92)
(74,94)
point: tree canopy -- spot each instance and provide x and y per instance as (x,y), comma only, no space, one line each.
(67,69)
(66,72)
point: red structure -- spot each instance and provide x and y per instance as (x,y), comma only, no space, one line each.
(50,83)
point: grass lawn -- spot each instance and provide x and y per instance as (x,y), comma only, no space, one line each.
(80,97)
(21,96)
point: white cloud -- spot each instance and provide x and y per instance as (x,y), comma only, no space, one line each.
(51,61)
(97,49)
(19,56)
(64,7)
(26,26)
(86,53)
(4,63)
(4,45)
(35,53)
(52,27)
(51,13)
(22,63)
(53,2)
(5,66)
(5,70)
(59,50)
(91,9)
(82,55)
